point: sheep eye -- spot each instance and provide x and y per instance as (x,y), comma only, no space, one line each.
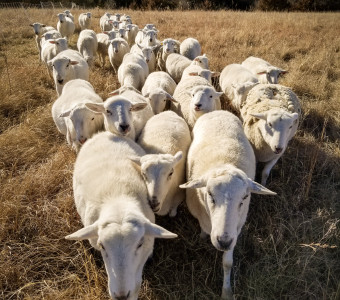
(240,204)
(211,96)
(101,246)
(108,112)
(92,118)
(140,244)
(270,125)
(212,198)
(67,65)
(291,127)
(172,172)
(245,197)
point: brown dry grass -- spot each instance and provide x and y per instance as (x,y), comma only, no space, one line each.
(288,248)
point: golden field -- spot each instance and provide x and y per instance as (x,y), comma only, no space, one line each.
(289,246)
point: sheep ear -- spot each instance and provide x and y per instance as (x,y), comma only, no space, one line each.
(158,231)
(283,72)
(73,62)
(262,116)
(87,232)
(136,163)
(177,157)
(65,113)
(97,108)
(169,97)
(215,74)
(204,55)
(31,25)
(294,116)
(53,41)
(261,73)
(138,106)
(257,188)
(219,94)
(194,184)
(139,46)
(147,95)
(193,73)
(114,93)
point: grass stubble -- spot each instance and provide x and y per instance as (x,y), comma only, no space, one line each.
(289,246)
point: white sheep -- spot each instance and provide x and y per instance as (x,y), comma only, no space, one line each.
(118,47)
(190,48)
(50,49)
(176,63)
(166,140)
(72,117)
(196,70)
(50,35)
(88,45)
(105,22)
(150,27)
(158,88)
(195,97)
(68,65)
(147,38)
(168,46)
(220,172)
(131,31)
(69,14)
(104,43)
(111,199)
(85,20)
(236,81)
(148,54)
(270,119)
(65,26)
(133,70)
(117,112)
(39,30)
(265,72)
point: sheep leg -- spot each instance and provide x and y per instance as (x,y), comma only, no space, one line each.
(266,170)
(227,262)
(177,200)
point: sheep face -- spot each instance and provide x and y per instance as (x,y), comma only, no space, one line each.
(115,24)
(158,172)
(62,69)
(60,43)
(81,124)
(201,61)
(88,15)
(125,247)
(169,46)
(204,100)
(62,17)
(277,127)
(117,17)
(117,112)
(157,99)
(37,27)
(271,75)
(111,34)
(226,192)
(150,37)
(115,44)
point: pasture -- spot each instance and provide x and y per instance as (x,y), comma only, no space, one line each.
(289,246)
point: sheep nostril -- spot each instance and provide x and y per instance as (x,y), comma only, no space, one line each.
(60,81)
(278,150)
(124,128)
(224,244)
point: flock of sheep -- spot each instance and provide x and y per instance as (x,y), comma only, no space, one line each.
(162,139)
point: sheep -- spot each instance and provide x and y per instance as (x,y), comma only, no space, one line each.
(117,112)
(72,117)
(166,140)
(116,17)
(68,65)
(147,38)
(50,35)
(270,119)
(105,22)
(195,97)
(131,31)
(195,70)
(220,172)
(115,24)
(148,54)
(236,81)
(88,45)
(50,49)
(65,26)
(263,70)
(176,63)
(158,88)
(133,70)
(150,27)
(139,117)
(111,199)
(104,43)
(190,48)
(39,30)
(69,15)
(85,20)
(117,49)
(168,46)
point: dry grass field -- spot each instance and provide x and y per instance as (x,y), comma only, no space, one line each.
(289,246)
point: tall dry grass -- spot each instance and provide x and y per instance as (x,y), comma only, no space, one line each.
(289,247)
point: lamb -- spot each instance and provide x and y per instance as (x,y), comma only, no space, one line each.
(236,81)
(263,70)
(195,97)
(270,119)
(88,45)
(158,88)
(68,65)
(168,46)
(133,70)
(39,30)
(111,199)
(65,26)
(131,31)
(69,15)
(166,140)
(176,63)
(117,112)
(72,117)
(148,54)
(117,49)
(104,43)
(220,172)
(85,20)
(190,48)
(50,49)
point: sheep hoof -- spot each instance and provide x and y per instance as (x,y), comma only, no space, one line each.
(227,294)
(173,212)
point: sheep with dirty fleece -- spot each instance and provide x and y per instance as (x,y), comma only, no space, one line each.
(158,88)
(67,65)
(270,119)
(220,172)
(71,115)
(236,81)
(263,70)
(111,199)
(166,140)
